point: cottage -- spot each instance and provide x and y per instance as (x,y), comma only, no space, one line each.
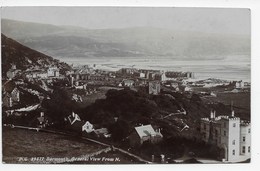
(143,134)
(128,83)
(42,120)
(73,118)
(87,127)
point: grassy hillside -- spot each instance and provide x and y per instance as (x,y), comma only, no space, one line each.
(24,57)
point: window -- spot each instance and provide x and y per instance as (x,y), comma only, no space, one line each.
(234,152)
(244,139)
(225,125)
(205,126)
(243,149)
(234,142)
(249,130)
(234,124)
(225,133)
(249,149)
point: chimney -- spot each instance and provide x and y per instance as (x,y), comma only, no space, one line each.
(233,113)
(115,118)
(232,110)
(42,114)
(211,115)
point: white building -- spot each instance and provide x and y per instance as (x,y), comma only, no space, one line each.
(88,127)
(240,84)
(53,72)
(230,134)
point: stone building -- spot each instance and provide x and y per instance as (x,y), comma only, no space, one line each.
(230,134)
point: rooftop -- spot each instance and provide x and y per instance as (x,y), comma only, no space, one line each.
(145,130)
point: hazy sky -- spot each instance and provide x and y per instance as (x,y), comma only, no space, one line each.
(210,20)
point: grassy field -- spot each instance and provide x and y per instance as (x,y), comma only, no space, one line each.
(25,143)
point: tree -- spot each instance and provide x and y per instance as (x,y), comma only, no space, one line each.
(195,98)
(59,105)
(119,130)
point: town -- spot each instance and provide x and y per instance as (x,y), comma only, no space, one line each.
(160,116)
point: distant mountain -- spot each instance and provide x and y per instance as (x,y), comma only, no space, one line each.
(67,41)
(24,57)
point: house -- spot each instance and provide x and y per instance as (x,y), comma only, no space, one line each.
(142,75)
(154,87)
(240,84)
(73,118)
(187,89)
(37,73)
(230,134)
(127,71)
(42,120)
(128,83)
(144,133)
(170,75)
(11,94)
(53,72)
(87,127)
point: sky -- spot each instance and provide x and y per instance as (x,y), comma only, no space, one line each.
(208,20)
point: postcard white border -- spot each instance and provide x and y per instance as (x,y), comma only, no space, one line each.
(254,5)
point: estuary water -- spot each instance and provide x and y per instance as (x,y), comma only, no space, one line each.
(236,67)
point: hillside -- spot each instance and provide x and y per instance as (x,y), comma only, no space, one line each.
(65,41)
(24,57)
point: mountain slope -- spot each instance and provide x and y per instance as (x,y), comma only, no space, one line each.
(60,41)
(24,57)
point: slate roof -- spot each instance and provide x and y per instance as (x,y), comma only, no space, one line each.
(145,130)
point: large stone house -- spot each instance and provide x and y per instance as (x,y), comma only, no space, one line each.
(230,134)
(144,133)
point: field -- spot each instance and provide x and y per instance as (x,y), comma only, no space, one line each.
(20,145)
